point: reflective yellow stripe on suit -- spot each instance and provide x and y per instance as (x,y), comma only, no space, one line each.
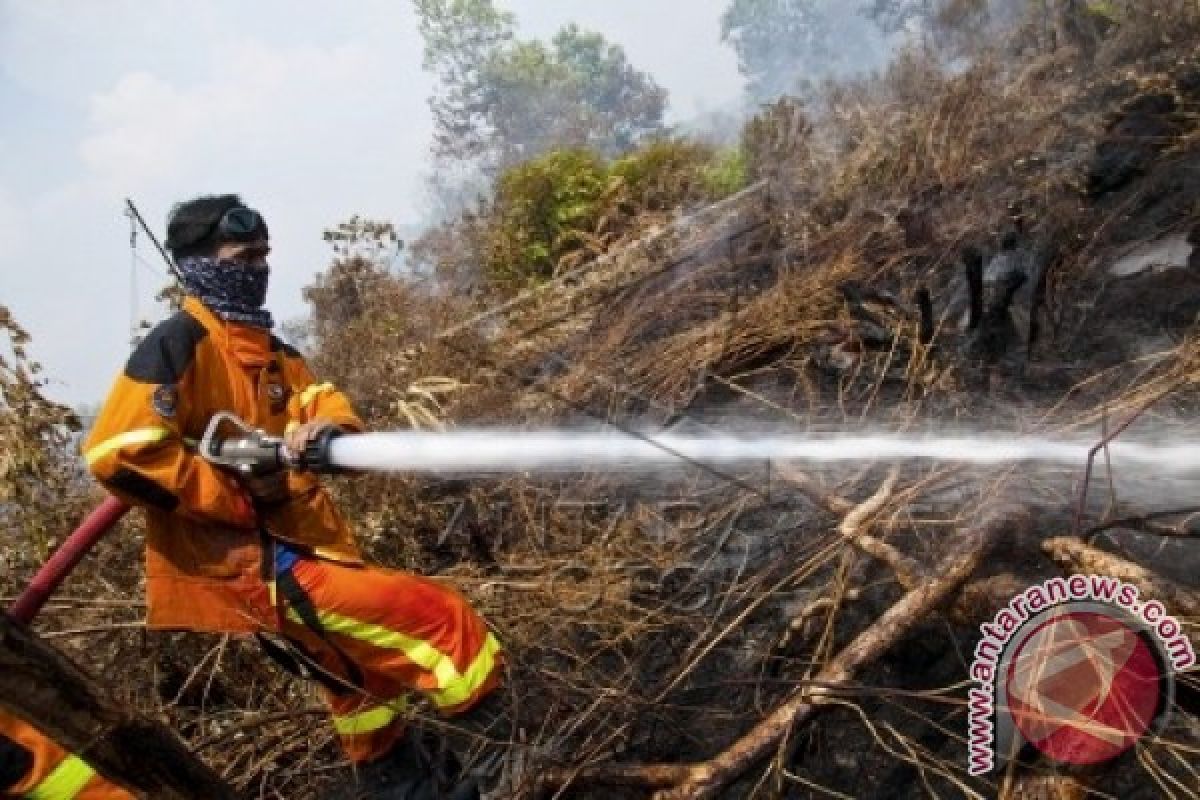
(127,439)
(65,782)
(310,392)
(371,720)
(453,687)
(460,690)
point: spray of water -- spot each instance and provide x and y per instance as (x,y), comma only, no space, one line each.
(468,451)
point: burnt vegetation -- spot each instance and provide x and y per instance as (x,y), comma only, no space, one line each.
(997,239)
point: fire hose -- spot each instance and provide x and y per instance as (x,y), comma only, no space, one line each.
(66,558)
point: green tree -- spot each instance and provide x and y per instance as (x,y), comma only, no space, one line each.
(530,104)
(776,41)
(501,101)
(782,45)
(622,105)
(542,209)
(461,38)
(565,206)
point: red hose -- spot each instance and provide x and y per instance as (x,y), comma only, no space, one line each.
(65,559)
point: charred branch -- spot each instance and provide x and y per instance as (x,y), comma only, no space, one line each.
(707,779)
(39,684)
(925,310)
(1075,555)
(973,267)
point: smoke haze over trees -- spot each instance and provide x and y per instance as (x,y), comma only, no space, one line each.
(501,100)
(782,43)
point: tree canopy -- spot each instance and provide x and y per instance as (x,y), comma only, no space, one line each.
(501,100)
(782,44)
(775,41)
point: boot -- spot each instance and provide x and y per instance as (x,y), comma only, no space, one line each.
(480,740)
(413,770)
(402,774)
(447,771)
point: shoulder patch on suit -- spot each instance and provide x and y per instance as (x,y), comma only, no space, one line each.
(165,400)
(278,344)
(167,351)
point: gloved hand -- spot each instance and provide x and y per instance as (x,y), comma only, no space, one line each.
(297,441)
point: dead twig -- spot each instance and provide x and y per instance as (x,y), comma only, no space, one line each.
(706,779)
(854,529)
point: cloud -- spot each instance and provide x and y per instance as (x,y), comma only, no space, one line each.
(259,102)
(140,129)
(14,224)
(310,130)
(53,48)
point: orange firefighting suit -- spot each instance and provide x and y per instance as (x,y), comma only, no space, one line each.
(34,767)
(208,553)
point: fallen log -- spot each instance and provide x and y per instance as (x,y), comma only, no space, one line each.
(1075,555)
(705,779)
(42,686)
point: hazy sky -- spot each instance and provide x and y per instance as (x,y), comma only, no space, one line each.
(313,111)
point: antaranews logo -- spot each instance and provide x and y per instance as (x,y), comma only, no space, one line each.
(1080,667)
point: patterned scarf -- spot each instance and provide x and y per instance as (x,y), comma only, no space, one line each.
(230,290)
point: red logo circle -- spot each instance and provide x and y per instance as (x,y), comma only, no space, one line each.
(1083,687)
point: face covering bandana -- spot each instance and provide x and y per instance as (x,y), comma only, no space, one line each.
(230,290)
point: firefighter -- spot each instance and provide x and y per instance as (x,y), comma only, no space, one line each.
(271,554)
(32,766)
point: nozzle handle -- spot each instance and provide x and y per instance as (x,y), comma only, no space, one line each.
(229,442)
(316,456)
